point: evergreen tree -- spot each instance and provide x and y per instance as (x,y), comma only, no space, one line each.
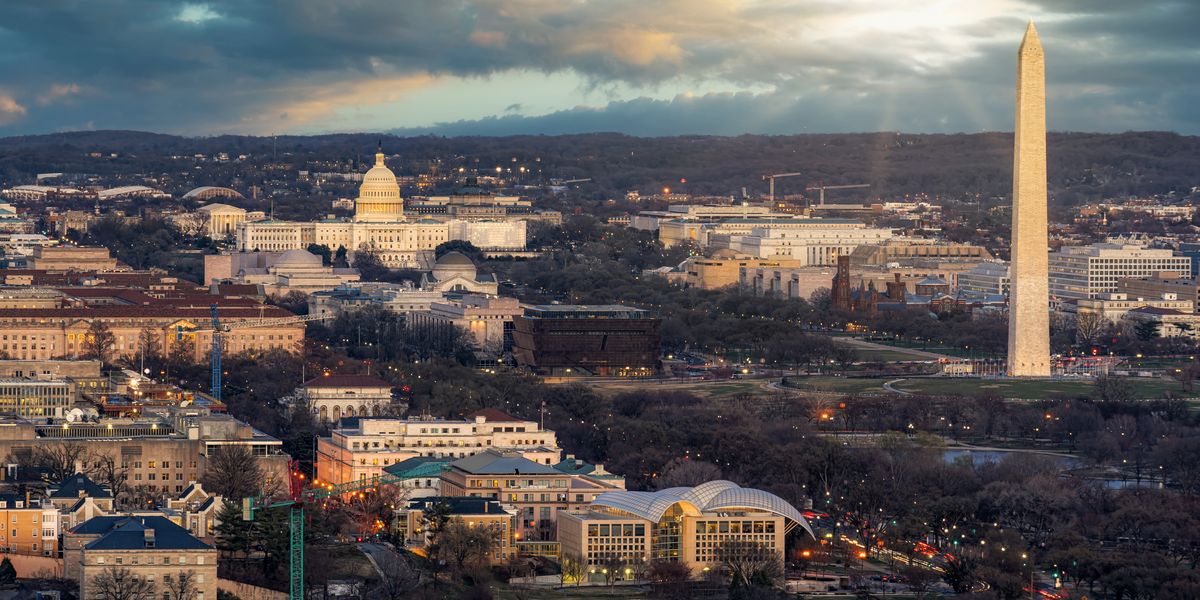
(8,573)
(233,534)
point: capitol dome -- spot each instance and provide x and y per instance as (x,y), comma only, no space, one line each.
(379,195)
(454,264)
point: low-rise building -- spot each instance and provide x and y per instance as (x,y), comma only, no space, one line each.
(1168,322)
(473,512)
(361,448)
(1112,306)
(722,269)
(331,397)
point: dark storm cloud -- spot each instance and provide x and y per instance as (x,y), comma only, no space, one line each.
(263,65)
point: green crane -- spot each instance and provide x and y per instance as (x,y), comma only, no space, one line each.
(295,540)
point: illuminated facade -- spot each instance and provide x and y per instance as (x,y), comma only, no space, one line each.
(679,524)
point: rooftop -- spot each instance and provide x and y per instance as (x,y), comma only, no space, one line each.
(495,462)
(340,381)
(585,311)
(131,533)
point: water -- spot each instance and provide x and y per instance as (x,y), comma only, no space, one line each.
(993,456)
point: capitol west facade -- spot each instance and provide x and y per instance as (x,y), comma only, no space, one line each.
(379,223)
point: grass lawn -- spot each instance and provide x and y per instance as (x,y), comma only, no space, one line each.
(713,388)
(1030,390)
(879,355)
(836,384)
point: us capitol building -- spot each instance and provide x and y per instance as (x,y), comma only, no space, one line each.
(379,223)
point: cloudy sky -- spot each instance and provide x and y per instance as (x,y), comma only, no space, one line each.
(645,67)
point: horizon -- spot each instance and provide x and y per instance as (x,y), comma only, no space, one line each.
(658,69)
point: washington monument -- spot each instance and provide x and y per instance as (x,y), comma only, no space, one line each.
(1029,299)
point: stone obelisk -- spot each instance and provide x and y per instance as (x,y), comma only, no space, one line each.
(1029,299)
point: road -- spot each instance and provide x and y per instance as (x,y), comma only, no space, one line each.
(392,568)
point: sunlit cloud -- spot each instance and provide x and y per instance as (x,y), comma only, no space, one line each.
(256,66)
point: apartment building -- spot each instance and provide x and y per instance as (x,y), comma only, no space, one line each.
(30,526)
(361,448)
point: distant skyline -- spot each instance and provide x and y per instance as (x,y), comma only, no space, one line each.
(642,67)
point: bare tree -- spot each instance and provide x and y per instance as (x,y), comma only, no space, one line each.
(613,564)
(233,472)
(686,472)
(399,579)
(99,342)
(1088,327)
(107,470)
(120,584)
(61,459)
(464,544)
(748,561)
(181,586)
(573,569)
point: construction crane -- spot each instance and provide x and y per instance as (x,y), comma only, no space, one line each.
(772,179)
(822,187)
(295,508)
(219,328)
(574,181)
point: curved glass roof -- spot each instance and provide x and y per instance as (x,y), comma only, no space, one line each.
(711,496)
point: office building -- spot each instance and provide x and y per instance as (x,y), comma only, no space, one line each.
(813,242)
(1083,272)
(277,273)
(985,278)
(537,491)
(150,548)
(71,258)
(360,448)
(721,269)
(169,318)
(684,525)
(473,512)
(161,451)
(1158,284)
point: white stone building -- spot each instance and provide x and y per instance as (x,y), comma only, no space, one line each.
(380,224)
